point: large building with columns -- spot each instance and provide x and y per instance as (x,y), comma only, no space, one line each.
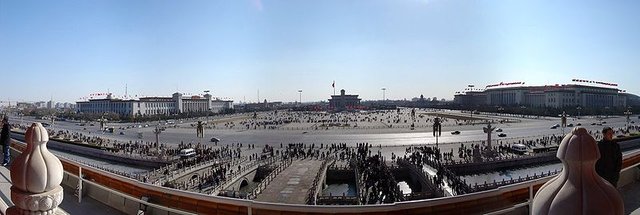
(581,94)
(146,106)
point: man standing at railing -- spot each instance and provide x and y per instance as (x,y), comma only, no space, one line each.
(5,140)
(610,162)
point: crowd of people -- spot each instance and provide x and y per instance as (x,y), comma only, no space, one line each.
(314,120)
(379,184)
(426,155)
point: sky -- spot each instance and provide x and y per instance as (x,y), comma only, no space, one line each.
(68,50)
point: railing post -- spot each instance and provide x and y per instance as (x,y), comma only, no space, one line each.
(36,176)
(587,193)
(79,184)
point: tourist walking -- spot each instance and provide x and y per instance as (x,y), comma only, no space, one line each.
(610,162)
(5,140)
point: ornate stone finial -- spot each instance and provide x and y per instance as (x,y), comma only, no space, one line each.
(36,176)
(578,189)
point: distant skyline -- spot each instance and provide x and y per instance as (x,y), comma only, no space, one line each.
(67,50)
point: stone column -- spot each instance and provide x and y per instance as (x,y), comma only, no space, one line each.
(578,189)
(36,176)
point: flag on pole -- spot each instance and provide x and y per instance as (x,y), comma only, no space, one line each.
(334,84)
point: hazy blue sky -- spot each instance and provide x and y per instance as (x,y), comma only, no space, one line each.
(70,49)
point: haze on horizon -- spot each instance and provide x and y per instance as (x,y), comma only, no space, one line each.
(67,50)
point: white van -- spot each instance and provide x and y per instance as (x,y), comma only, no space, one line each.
(518,148)
(186,153)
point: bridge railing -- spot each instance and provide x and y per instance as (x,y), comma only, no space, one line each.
(495,184)
(263,184)
(163,199)
(313,191)
(237,175)
(424,177)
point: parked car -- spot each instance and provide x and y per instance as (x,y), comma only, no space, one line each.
(579,124)
(555,126)
(499,130)
(215,140)
(122,133)
(570,125)
(455,132)
(502,135)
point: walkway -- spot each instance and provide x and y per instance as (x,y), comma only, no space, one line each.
(631,197)
(292,184)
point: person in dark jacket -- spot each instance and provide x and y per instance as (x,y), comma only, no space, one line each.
(610,162)
(5,140)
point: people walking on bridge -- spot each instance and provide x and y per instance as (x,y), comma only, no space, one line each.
(5,140)
(610,162)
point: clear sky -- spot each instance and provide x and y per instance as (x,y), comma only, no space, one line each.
(70,49)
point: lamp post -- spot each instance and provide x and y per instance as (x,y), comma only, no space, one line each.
(300,94)
(157,132)
(53,120)
(206,92)
(102,122)
(628,113)
(437,129)
(563,121)
(578,109)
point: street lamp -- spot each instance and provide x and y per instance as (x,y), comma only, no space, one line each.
(300,94)
(628,113)
(437,129)
(157,132)
(208,105)
(578,109)
(384,89)
(563,121)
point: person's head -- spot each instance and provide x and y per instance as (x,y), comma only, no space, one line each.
(607,133)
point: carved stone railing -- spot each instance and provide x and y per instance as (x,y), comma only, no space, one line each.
(578,189)
(36,175)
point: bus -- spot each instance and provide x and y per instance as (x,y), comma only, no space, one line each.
(187,153)
(518,148)
(545,149)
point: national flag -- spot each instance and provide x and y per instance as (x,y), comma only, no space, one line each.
(334,84)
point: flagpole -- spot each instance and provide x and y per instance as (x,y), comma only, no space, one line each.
(334,87)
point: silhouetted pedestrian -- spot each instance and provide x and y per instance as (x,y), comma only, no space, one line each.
(610,162)
(5,140)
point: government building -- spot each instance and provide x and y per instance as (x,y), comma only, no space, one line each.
(147,106)
(343,101)
(554,96)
